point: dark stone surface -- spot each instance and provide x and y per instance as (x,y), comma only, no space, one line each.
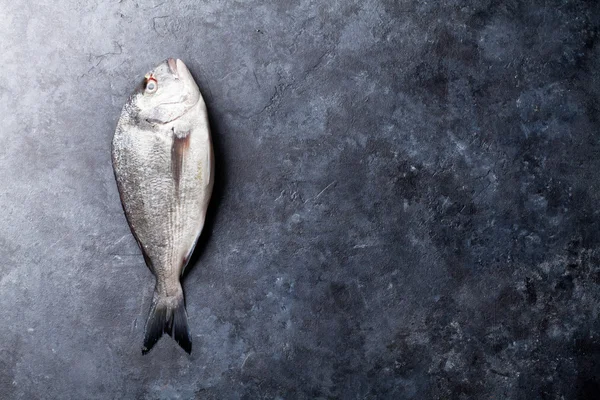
(406,204)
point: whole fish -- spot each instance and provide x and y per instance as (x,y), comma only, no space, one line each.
(164,167)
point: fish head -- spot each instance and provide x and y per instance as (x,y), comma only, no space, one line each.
(167,93)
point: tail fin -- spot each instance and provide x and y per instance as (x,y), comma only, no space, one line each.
(167,315)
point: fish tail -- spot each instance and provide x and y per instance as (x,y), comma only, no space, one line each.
(168,315)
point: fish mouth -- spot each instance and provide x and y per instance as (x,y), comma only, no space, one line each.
(172,63)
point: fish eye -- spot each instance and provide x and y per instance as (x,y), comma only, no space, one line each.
(151,85)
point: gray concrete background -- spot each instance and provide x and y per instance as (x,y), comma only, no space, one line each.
(406,201)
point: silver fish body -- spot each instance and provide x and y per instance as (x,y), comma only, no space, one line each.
(164,167)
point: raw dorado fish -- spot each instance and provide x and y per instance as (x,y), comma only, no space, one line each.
(163,161)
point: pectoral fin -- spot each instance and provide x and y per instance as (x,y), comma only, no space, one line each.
(179,149)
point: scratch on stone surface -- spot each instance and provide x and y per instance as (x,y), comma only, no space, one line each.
(481,191)
(52,245)
(120,240)
(326,187)
(156,6)
(319,60)
(321,192)
(504,374)
(295,195)
(118,256)
(246,359)
(255,78)
(446,199)
(280,195)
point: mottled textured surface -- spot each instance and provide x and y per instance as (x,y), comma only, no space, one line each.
(405,204)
